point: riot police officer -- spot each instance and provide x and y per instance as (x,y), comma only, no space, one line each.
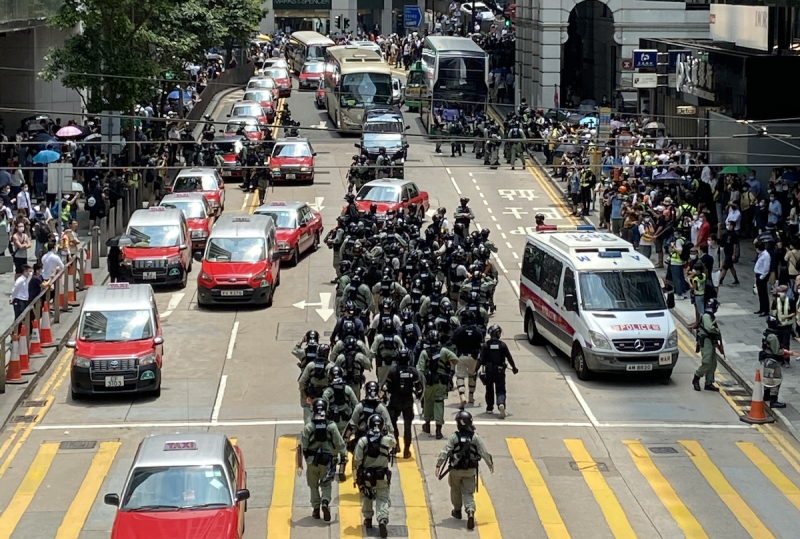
(463,452)
(708,338)
(352,175)
(320,443)
(465,216)
(314,380)
(341,401)
(371,460)
(385,348)
(492,364)
(468,340)
(517,145)
(383,164)
(306,349)
(436,365)
(772,356)
(371,404)
(403,383)
(352,356)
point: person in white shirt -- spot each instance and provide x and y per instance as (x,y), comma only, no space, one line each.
(23,200)
(51,262)
(19,294)
(734,216)
(761,271)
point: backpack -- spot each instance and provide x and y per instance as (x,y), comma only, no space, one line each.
(687,246)
(465,452)
(40,228)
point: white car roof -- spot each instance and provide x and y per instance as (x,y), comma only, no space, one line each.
(119,297)
(156,217)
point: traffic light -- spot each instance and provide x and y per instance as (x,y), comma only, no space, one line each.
(339,22)
(346,24)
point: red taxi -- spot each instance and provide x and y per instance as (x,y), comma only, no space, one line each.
(263,98)
(204,180)
(241,263)
(292,159)
(281,76)
(180,486)
(310,74)
(249,126)
(159,250)
(119,346)
(249,109)
(299,228)
(229,148)
(199,212)
(391,194)
(264,83)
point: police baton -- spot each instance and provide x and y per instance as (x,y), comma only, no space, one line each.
(299,459)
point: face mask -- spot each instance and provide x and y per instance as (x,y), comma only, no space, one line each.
(20,229)
(772,199)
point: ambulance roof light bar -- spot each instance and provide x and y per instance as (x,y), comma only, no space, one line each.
(566,228)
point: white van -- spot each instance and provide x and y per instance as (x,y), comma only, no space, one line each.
(598,300)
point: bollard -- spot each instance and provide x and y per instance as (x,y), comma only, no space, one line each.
(2,366)
(95,249)
(119,225)
(112,222)
(103,236)
(56,298)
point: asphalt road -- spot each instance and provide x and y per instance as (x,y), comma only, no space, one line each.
(618,457)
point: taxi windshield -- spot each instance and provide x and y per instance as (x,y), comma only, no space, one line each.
(155,235)
(235,250)
(316,67)
(276,72)
(291,150)
(621,291)
(172,488)
(283,219)
(379,193)
(115,326)
(185,184)
(192,210)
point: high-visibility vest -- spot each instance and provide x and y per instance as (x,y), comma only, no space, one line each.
(675,255)
(783,310)
(700,280)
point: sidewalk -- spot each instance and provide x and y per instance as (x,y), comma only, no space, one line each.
(741,329)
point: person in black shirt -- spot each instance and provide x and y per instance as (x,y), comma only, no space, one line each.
(730,250)
(36,283)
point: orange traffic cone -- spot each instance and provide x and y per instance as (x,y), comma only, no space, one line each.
(46,334)
(87,271)
(757,413)
(36,343)
(24,358)
(13,376)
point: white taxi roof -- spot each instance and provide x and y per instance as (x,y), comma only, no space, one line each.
(593,251)
(195,449)
(183,197)
(156,216)
(241,226)
(119,297)
(197,171)
(397,182)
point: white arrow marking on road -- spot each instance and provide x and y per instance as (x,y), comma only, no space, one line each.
(324,311)
(430,212)
(317,204)
(173,304)
(515,212)
(323,124)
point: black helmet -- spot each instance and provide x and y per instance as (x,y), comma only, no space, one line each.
(445,308)
(485,233)
(311,335)
(539,217)
(712,305)
(407,315)
(350,306)
(495,331)
(403,357)
(474,297)
(335,375)
(350,343)
(476,274)
(344,266)
(464,201)
(323,350)
(386,303)
(464,421)
(382,150)
(371,390)
(375,424)
(363,159)
(772,321)
(349,327)
(387,326)
(433,335)
(320,409)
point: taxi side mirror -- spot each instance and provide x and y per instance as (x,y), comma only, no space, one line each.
(276,257)
(408,127)
(570,303)
(70,344)
(158,340)
(242,495)
(183,247)
(111,499)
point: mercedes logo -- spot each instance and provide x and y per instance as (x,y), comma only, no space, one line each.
(638,344)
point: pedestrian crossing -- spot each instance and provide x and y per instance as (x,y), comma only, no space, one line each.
(576,487)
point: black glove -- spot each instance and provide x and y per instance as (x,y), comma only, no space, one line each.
(514,370)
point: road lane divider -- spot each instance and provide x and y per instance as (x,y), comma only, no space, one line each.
(223,383)
(602,492)
(683,517)
(418,519)
(545,505)
(746,517)
(27,489)
(79,509)
(771,471)
(279,518)
(232,341)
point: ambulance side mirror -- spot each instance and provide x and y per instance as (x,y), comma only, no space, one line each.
(570,303)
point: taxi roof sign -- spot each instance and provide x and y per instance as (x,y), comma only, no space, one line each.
(240,220)
(157,208)
(182,194)
(118,286)
(180,446)
(277,203)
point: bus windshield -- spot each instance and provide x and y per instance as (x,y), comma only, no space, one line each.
(462,74)
(359,89)
(315,52)
(621,291)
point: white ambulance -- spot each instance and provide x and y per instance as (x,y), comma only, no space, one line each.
(597,300)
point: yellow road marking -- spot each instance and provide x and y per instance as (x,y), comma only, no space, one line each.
(768,468)
(417,515)
(279,519)
(746,517)
(773,439)
(254,202)
(545,505)
(27,489)
(349,510)
(683,517)
(606,499)
(42,412)
(486,518)
(79,509)
(233,440)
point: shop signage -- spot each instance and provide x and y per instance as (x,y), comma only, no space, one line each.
(687,110)
(645,58)
(645,80)
(301,4)
(695,75)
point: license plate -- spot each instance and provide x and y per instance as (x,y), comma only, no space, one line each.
(665,359)
(115,381)
(231,293)
(639,367)
(291,176)
(149,275)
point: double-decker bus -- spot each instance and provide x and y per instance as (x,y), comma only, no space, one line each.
(355,78)
(457,79)
(305,46)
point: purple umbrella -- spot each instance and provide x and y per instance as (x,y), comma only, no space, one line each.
(70,131)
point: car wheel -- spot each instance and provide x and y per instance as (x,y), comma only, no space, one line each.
(270,297)
(185,280)
(579,362)
(315,246)
(531,331)
(295,256)
(75,396)
(156,393)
